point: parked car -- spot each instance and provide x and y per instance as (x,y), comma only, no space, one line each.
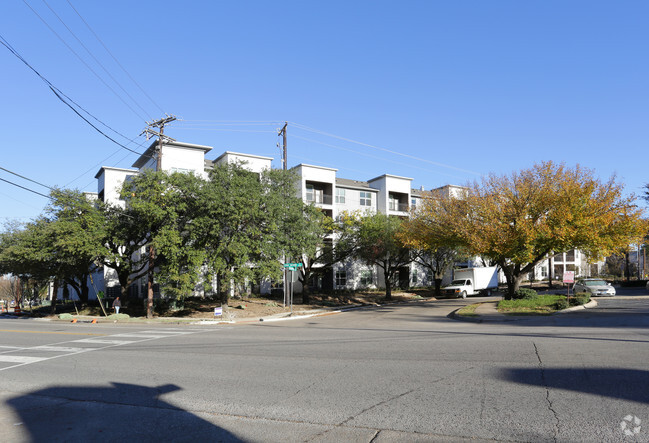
(594,286)
(647,286)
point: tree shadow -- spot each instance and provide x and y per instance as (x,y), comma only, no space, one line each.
(623,384)
(123,412)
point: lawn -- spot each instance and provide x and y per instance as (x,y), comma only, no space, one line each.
(543,304)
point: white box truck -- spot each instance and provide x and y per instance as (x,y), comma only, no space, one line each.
(472,281)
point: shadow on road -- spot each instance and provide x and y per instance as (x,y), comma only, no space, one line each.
(624,384)
(123,412)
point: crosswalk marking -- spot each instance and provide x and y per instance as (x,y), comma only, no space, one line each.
(60,349)
(105,342)
(19,359)
(141,335)
(8,354)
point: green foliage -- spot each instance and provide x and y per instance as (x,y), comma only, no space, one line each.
(542,304)
(378,242)
(579,299)
(561,304)
(524,294)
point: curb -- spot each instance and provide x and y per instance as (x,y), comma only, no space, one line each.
(498,317)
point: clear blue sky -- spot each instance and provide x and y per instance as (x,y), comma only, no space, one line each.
(449,90)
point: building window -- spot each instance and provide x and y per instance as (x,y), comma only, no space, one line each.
(366,198)
(570,255)
(413,203)
(310,194)
(341,278)
(544,271)
(340,195)
(366,277)
(414,276)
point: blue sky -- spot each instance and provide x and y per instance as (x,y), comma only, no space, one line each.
(442,92)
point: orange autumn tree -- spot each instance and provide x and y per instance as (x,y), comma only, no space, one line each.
(516,221)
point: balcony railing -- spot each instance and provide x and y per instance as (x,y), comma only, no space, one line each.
(320,199)
(402,207)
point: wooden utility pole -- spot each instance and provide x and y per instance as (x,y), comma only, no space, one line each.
(282,132)
(161,138)
(160,134)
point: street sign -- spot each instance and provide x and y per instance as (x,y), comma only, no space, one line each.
(218,311)
(569,277)
(292,266)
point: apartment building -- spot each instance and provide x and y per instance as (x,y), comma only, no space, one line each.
(388,194)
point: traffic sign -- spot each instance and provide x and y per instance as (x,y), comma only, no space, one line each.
(292,266)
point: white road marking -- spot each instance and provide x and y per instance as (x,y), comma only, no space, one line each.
(140,335)
(60,349)
(103,343)
(19,359)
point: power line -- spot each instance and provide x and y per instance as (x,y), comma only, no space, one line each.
(93,57)
(317,131)
(25,178)
(59,94)
(83,61)
(114,58)
(372,156)
(26,189)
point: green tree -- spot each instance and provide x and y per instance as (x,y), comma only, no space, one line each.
(76,224)
(377,242)
(155,231)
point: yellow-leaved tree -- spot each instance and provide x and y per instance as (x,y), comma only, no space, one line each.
(516,221)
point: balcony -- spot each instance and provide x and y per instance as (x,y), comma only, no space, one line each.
(394,206)
(319,198)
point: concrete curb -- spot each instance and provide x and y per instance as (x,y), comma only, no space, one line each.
(497,317)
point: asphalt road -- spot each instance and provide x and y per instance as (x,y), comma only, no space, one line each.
(396,373)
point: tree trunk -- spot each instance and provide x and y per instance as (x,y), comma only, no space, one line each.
(438,287)
(388,285)
(224,292)
(150,272)
(306,299)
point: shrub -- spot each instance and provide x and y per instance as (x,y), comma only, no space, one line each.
(525,294)
(561,304)
(579,299)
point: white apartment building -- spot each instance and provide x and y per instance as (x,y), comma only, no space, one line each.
(387,193)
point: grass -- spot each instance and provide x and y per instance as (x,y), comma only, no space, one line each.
(468,311)
(541,305)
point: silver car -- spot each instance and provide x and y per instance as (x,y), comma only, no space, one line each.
(594,286)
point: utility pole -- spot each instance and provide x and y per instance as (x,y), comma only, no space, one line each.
(282,132)
(160,134)
(161,138)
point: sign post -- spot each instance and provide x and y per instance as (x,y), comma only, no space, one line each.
(569,278)
(291,267)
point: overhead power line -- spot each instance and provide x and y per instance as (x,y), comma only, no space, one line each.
(114,58)
(60,95)
(83,61)
(25,178)
(94,58)
(412,157)
(26,189)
